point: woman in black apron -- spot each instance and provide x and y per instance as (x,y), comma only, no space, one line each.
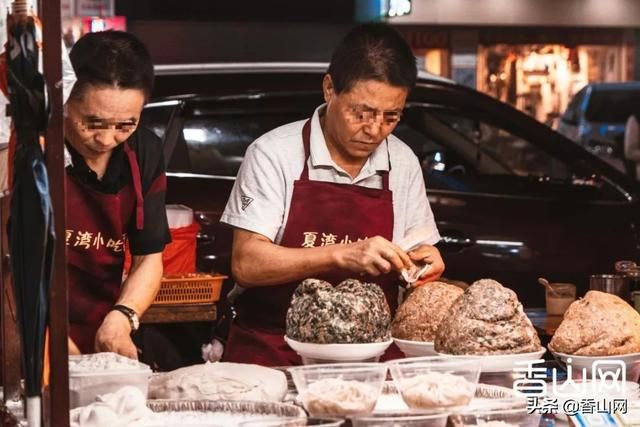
(115,193)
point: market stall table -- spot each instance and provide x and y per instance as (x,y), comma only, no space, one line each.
(176,313)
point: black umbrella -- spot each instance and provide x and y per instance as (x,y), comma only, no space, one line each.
(31,233)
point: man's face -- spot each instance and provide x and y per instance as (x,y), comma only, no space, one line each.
(358,120)
(101,119)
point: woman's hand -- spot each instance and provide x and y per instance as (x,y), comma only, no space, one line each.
(114,336)
(430,255)
(373,256)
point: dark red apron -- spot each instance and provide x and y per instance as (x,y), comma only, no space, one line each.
(95,239)
(321,213)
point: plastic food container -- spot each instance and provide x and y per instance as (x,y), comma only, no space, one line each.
(517,416)
(563,295)
(401,420)
(293,422)
(91,375)
(435,383)
(339,390)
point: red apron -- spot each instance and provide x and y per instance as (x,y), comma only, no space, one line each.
(317,216)
(95,238)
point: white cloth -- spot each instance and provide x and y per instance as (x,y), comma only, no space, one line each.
(261,196)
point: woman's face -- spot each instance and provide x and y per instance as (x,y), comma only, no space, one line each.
(102,118)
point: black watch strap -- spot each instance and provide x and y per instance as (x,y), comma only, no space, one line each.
(131,314)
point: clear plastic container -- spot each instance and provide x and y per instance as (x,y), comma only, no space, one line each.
(91,375)
(518,416)
(341,389)
(401,420)
(563,295)
(435,383)
(293,422)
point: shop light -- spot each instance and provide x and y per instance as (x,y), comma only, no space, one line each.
(398,8)
(196,135)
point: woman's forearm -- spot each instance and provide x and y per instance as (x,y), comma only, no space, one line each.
(143,282)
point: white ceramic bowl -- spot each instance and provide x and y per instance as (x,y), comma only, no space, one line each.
(415,348)
(340,389)
(500,362)
(581,365)
(312,353)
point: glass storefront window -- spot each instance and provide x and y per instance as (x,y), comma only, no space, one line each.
(542,79)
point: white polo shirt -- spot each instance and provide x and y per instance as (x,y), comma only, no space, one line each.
(261,195)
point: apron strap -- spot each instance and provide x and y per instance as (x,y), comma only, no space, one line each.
(306,142)
(137,185)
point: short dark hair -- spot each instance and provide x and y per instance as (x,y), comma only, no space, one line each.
(372,51)
(111,58)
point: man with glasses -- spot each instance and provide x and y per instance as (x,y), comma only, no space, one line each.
(327,197)
(115,192)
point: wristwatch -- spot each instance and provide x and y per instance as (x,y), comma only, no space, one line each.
(131,314)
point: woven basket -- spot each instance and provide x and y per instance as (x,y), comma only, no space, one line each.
(193,288)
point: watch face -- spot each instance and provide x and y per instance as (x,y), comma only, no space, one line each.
(135,322)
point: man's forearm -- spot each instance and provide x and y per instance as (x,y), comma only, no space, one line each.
(268,264)
(143,282)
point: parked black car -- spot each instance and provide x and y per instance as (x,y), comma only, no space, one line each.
(513,199)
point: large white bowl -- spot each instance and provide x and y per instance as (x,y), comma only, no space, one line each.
(415,348)
(501,362)
(603,363)
(317,353)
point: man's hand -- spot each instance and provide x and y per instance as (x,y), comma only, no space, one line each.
(114,335)
(430,255)
(373,256)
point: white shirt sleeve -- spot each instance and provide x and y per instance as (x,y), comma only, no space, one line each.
(416,205)
(632,140)
(257,200)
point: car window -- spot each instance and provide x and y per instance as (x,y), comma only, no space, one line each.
(612,106)
(155,116)
(520,156)
(463,154)
(215,135)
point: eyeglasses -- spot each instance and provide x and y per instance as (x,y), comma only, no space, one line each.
(125,126)
(360,114)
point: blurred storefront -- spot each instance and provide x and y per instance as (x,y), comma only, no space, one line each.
(535,54)
(83,16)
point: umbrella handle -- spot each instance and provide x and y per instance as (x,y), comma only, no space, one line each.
(34,412)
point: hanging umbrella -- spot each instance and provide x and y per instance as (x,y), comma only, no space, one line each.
(31,235)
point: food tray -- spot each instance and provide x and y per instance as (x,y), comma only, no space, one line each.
(193,288)
(228,410)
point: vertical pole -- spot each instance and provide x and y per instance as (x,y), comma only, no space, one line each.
(58,311)
(10,337)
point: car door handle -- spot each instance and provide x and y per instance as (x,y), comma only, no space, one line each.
(455,241)
(462,241)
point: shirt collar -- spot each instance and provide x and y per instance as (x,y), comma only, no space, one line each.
(319,153)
